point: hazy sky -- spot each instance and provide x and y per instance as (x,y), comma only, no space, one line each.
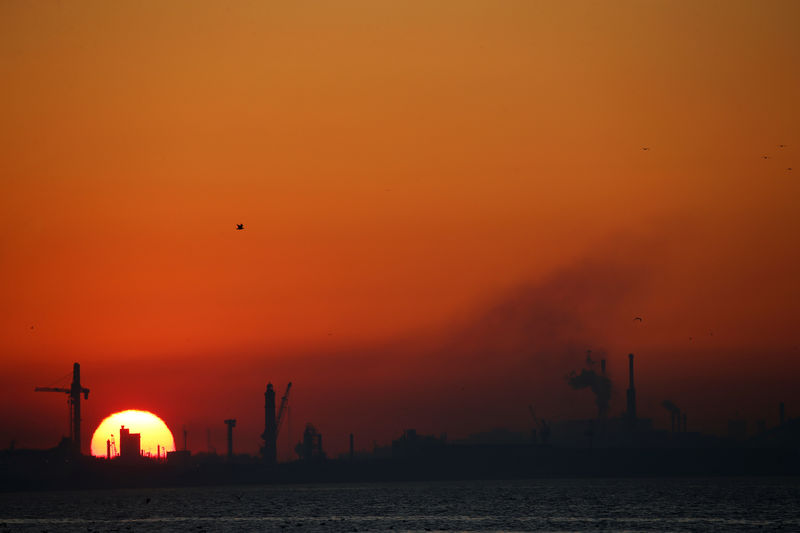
(445,203)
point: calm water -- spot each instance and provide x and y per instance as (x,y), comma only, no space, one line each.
(538,505)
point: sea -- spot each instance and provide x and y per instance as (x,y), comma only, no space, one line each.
(715,504)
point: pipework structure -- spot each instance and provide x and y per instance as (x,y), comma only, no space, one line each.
(74,391)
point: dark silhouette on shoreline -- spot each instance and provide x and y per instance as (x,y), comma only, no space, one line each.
(621,446)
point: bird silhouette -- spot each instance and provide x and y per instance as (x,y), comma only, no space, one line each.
(764,157)
(239,226)
(782,146)
(645,148)
(638,318)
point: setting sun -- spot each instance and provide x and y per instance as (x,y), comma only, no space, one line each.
(154,432)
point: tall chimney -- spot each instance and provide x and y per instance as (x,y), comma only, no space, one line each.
(270,449)
(108,449)
(603,366)
(231,423)
(631,390)
(781,413)
(352,452)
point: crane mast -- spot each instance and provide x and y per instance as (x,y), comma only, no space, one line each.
(74,391)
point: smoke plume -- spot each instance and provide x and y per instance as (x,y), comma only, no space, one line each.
(599,384)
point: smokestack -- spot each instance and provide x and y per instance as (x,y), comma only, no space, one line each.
(270,450)
(231,424)
(603,366)
(599,384)
(674,415)
(108,449)
(631,390)
(352,452)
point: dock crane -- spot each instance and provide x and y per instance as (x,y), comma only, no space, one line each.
(74,391)
(272,422)
(282,409)
(544,428)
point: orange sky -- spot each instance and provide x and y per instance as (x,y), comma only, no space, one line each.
(400,168)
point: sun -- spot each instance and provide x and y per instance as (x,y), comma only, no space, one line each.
(154,432)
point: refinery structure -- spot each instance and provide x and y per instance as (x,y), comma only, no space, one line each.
(627,444)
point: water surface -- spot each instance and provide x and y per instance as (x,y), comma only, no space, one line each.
(536,505)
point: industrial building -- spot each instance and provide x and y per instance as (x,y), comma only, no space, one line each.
(130,444)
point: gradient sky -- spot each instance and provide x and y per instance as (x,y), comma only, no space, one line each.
(446,204)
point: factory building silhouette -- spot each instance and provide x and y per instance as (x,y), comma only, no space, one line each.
(607,444)
(130,444)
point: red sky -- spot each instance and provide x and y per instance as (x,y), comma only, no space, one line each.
(445,205)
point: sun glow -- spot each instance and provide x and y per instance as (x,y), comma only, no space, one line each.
(154,432)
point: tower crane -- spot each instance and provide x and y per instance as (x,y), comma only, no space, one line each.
(74,391)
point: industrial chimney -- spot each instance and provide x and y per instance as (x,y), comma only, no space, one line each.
(231,423)
(631,390)
(270,449)
(781,413)
(352,450)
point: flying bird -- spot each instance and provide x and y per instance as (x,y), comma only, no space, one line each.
(638,318)
(239,226)
(782,146)
(764,157)
(645,148)
(788,168)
